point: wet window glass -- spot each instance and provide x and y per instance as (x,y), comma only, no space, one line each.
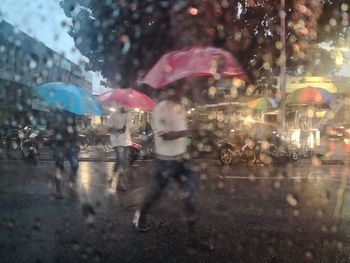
(174,130)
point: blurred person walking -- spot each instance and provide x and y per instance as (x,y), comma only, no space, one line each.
(118,125)
(172,161)
(63,126)
(304,134)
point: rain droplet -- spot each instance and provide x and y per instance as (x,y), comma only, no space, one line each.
(88,213)
(308,255)
(277,184)
(291,200)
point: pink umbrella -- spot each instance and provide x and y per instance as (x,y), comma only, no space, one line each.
(127,98)
(193,61)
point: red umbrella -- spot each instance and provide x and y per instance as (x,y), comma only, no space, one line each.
(128,98)
(193,61)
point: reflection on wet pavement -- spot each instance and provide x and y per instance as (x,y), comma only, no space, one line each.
(295,212)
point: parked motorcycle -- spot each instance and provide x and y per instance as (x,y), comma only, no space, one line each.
(10,141)
(237,149)
(142,147)
(277,150)
(29,144)
(31,140)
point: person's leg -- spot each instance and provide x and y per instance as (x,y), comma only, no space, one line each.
(72,156)
(58,156)
(304,146)
(120,169)
(123,175)
(162,172)
(113,179)
(184,176)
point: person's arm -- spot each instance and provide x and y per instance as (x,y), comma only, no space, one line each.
(115,130)
(173,135)
(112,129)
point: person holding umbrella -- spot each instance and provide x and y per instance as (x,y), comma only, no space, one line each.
(170,124)
(172,162)
(118,125)
(66,101)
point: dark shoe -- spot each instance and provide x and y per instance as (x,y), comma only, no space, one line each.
(203,245)
(136,222)
(122,187)
(59,196)
(141,229)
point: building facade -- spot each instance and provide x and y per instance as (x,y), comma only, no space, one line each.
(26,63)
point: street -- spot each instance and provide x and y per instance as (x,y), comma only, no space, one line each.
(252,214)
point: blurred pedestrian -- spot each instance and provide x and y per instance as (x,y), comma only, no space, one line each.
(304,134)
(172,161)
(118,124)
(63,126)
(259,131)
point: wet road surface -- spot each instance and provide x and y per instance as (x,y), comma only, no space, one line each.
(252,214)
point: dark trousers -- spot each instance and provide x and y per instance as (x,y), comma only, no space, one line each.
(62,152)
(181,172)
(122,156)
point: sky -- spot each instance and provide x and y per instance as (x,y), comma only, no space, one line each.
(44,19)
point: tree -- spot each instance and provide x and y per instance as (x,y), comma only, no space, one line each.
(120,38)
(125,38)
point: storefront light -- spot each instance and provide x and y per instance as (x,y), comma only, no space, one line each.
(249,119)
(311,141)
(295,137)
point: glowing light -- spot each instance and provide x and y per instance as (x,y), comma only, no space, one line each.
(339,59)
(344,7)
(333,22)
(248,119)
(212,91)
(193,11)
(112,109)
(237,83)
(137,109)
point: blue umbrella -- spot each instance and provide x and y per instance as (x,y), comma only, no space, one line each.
(68,97)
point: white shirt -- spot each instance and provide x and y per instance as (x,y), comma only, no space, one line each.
(117,120)
(169,116)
